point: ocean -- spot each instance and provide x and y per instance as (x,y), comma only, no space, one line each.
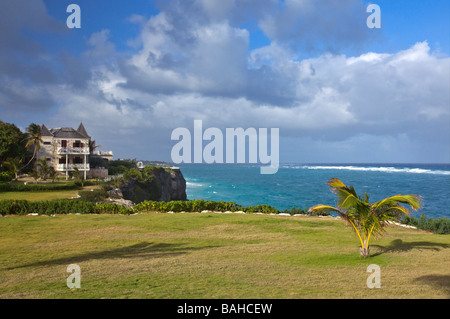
(305,185)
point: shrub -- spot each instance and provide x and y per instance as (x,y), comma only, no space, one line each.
(37,187)
(196,205)
(296,210)
(111,208)
(24,207)
(132,173)
(437,226)
(265,209)
(93,196)
(6,176)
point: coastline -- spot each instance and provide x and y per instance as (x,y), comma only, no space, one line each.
(304,185)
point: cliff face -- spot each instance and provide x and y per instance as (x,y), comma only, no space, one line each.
(161,185)
(173,185)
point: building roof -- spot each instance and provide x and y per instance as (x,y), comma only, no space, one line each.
(82,130)
(45,131)
(65,132)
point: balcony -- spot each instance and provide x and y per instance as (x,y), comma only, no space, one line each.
(73,150)
(71,167)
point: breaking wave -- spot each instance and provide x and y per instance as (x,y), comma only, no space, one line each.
(378,169)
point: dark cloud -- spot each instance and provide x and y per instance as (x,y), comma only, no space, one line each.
(17,16)
(19,97)
(319,25)
(24,66)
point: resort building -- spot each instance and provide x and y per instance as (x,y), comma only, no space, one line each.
(66,149)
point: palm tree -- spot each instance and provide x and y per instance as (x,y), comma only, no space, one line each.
(92,146)
(43,168)
(78,176)
(34,140)
(52,173)
(367,218)
(14,165)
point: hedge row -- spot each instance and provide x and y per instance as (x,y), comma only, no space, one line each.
(437,226)
(64,206)
(196,205)
(52,207)
(6,187)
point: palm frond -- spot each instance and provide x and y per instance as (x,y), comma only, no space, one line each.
(414,201)
(324,208)
(346,195)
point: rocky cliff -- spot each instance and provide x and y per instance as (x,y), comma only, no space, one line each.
(155,183)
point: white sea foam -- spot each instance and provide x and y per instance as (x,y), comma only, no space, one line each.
(381,169)
(191,184)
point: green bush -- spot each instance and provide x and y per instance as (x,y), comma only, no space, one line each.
(37,187)
(437,226)
(296,210)
(111,208)
(24,207)
(132,173)
(6,176)
(117,167)
(94,195)
(265,209)
(196,205)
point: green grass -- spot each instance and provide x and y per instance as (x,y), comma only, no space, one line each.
(44,195)
(39,195)
(195,255)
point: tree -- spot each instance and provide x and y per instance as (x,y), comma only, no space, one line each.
(12,144)
(43,168)
(92,146)
(33,140)
(77,174)
(52,173)
(35,174)
(367,218)
(13,164)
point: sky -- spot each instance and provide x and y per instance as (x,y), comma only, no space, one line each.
(338,91)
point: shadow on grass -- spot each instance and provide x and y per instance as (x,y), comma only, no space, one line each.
(398,245)
(141,250)
(437,281)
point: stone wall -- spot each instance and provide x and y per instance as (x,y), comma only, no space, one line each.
(97,172)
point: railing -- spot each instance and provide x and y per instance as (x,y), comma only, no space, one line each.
(103,153)
(71,167)
(73,150)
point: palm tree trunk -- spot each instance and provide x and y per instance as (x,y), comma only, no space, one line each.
(32,158)
(365,250)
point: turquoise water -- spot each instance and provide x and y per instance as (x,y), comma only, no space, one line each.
(304,185)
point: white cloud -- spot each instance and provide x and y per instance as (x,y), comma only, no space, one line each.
(191,67)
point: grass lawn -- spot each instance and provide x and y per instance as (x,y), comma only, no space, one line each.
(195,255)
(44,195)
(39,195)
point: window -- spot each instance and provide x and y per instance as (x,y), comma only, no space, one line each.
(62,160)
(47,143)
(63,143)
(78,160)
(77,144)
